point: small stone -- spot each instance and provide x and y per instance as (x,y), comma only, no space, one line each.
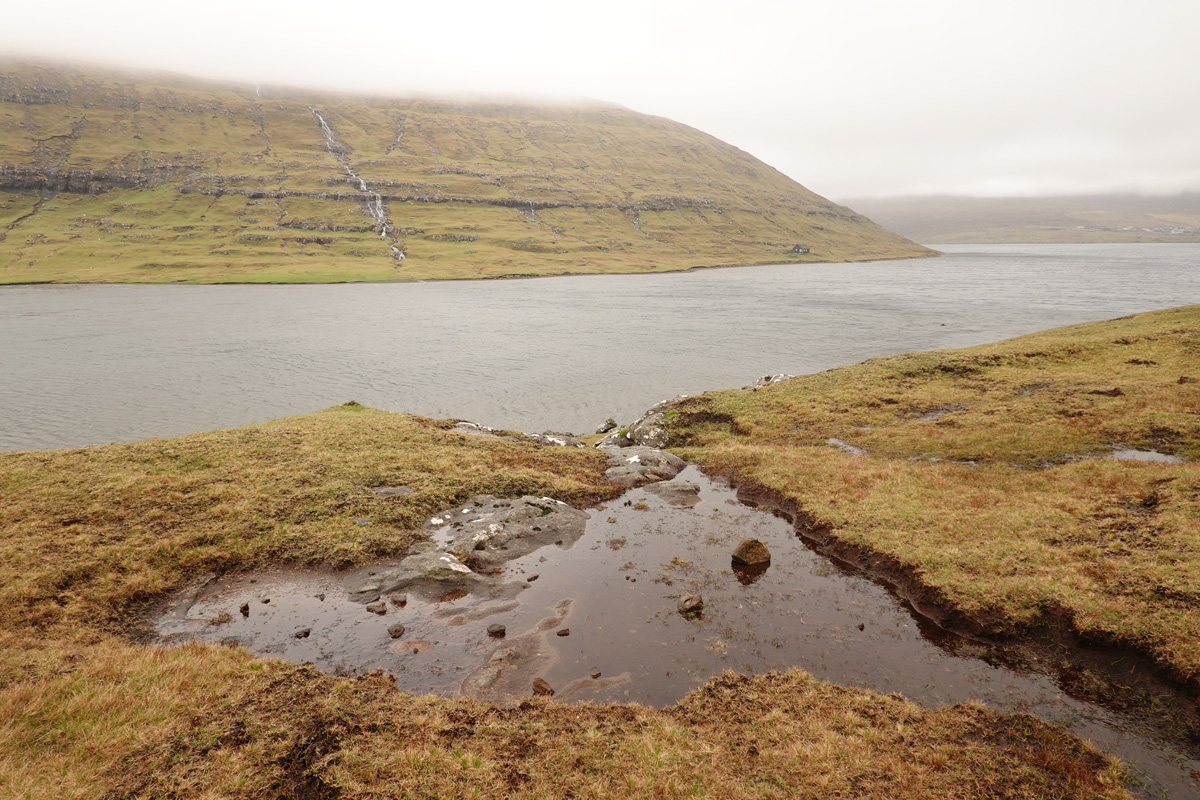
(690,604)
(532,578)
(612,519)
(608,425)
(266,599)
(563,632)
(861,626)
(378,607)
(496,631)
(396,631)
(302,633)
(245,609)
(320,596)
(399,600)
(541,687)
(595,673)
(751,552)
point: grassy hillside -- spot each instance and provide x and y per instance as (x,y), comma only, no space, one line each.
(112,177)
(92,533)
(984,477)
(1100,218)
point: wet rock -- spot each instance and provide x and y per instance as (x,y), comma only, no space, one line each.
(677,492)
(636,466)
(489,531)
(751,552)
(595,673)
(391,491)
(532,578)
(396,631)
(302,633)
(649,431)
(608,425)
(245,609)
(378,607)
(618,437)
(399,600)
(563,632)
(475,429)
(554,440)
(542,688)
(769,380)
(496,631)
(691,604)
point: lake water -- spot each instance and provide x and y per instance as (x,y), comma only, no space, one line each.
(90,364)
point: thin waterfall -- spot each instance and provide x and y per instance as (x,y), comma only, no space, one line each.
(376,210)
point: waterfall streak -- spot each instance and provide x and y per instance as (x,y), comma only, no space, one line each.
(374,200)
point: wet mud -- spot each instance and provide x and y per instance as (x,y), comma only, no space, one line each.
(616,593)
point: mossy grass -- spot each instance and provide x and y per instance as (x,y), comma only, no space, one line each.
(91,534)
(985,474)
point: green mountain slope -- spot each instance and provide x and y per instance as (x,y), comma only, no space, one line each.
(123,177)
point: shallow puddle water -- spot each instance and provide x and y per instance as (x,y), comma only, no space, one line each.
(598,621)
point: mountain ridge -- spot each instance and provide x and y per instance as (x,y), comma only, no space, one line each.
(175,178)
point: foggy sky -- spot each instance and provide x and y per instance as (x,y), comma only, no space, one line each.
(852,98)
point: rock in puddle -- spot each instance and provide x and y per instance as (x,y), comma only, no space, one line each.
(676,492)
(489,531)
(636,466)
(396,630)
(751,552)
(692,604)
(540,687)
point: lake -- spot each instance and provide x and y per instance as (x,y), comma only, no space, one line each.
(88,364)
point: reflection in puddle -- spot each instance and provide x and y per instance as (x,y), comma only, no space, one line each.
(618,590)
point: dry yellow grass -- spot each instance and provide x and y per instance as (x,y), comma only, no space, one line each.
(85,712)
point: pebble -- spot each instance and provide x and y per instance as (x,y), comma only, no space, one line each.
(303,633)
(595,673)
(396,631)
(532,578)
(563,632)
(496,631)
(378,607)
(541,687)
(245,609)
(690,604)
(399,600)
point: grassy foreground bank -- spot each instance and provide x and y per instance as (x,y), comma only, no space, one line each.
(90,534)
(984,477)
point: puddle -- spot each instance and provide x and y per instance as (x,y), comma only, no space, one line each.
(1126,454)
(615,591)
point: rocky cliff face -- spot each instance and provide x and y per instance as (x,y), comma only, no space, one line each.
(494,189)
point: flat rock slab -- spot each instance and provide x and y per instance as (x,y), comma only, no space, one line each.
(391,491)
(636,466)
(487,531)
(425,568)
(677,492)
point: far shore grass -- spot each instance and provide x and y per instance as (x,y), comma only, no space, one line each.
(985,475)
(91,535)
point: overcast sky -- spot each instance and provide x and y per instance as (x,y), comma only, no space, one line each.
(852,98)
